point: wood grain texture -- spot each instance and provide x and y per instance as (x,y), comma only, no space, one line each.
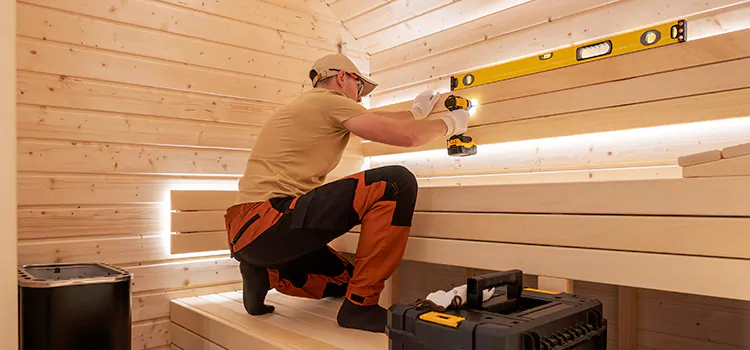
(94,157)
(65,59)
(64,27)
(716,106)
(738,166)
(388,15)
(201,200)
(346,9)
(600,22)
(82,221)
(153,305)
(736,150)
(699,158)
(188,340)
(65,124)
(627,318)
(199,221)
(150,334)
(111,250)
(654,271)
(173,19)
(55,90)
(198,242)
(184,274)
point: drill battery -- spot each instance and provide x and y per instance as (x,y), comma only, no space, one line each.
(512,319)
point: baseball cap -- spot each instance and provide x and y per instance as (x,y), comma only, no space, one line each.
(330,65)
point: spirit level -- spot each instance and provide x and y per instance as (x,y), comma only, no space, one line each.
(637,40)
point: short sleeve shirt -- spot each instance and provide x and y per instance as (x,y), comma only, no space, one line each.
(298,146)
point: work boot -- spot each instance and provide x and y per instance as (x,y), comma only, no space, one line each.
(255,286)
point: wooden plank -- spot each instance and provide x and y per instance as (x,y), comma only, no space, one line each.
(599,22)
(60,189)
(699,158)
(720,237)
(715,325)
(655,271)
(188,340)
(64,124)
(152,305)
(214,328)
(92,157)
(716,106)
(704,197)
(178,20)
(198,242)
(314,7)
(56,90)
(558,285)
(201,200)
(83,221)
(693,300)
(315,326)
(473,30)
(738,166)
(612,150)
(184,274)
(627,318)
(703,26)
(736,150)
(150,334)
(197,221)
(654,340)
(346,9)
(607,295)
(111,250)
(390,14)
(65,59)
(64,27)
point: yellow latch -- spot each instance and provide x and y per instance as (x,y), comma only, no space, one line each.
(540,291)
(442,319)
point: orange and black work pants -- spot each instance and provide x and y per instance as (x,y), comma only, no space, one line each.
(289,236)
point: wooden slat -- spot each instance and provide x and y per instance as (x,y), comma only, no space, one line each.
(599,22)
(62,91)
(622,149)
(738,166)
(390,14)
(716,106)
(91,157)
(607,295)
(201,200)
(117,250)
(706,197)
(188,340)
(346,9)
(715,325)
(697,236)
(81,221)
(150,334)
(198,242)
(699,158)
(627,318)
(469,31)
(65,59)
(152,305)
(197,221)
(318,327)
(736,150)
(173,19)
(317,8)
(54,25)
(59,189)
(184,274)
(655,271)
(659,341)
(64,124)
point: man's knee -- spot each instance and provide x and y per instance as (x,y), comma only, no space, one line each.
(405,182)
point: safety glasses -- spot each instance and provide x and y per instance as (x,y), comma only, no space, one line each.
(360,82)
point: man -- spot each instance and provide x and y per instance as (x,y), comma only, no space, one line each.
(285,216)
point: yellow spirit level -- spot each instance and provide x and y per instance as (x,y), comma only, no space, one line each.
(637,40)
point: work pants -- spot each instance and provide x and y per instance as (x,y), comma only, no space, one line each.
(289,236)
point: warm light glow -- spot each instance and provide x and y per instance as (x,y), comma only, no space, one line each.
(474,105)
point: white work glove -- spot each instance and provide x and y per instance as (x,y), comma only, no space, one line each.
(424,103)
(446,299)
(457,122)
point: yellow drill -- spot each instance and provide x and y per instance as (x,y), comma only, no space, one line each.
(460,145)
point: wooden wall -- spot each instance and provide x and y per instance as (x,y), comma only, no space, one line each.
(8,259)
(119,101)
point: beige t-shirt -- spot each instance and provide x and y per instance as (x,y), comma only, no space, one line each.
(298,146)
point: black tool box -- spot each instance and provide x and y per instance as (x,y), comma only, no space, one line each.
(512,319)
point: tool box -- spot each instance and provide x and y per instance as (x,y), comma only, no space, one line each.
(512,319)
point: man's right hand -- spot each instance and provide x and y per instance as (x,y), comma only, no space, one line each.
(457,122)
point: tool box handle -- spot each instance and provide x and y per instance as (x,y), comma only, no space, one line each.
(477,284)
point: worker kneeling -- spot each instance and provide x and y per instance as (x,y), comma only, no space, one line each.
(285,216)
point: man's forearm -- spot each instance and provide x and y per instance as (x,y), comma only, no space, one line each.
(400,115)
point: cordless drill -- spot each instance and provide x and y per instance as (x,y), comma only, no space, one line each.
(460,145)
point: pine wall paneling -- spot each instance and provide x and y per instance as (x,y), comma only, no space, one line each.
(119,102)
